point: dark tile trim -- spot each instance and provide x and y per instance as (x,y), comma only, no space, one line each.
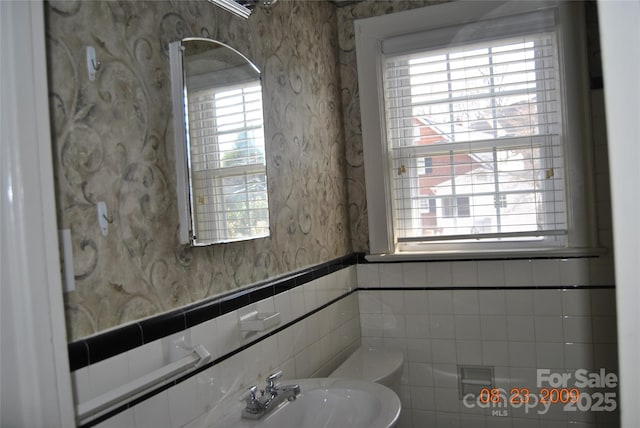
(501,287)
(93,349)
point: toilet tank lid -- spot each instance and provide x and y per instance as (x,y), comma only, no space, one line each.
(373,364)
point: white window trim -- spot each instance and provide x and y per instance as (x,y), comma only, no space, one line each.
(371,32)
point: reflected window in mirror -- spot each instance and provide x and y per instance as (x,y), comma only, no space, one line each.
(220,150)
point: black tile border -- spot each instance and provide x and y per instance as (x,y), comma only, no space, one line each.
(94,349)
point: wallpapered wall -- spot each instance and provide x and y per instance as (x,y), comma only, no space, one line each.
(351,107)
(113,142)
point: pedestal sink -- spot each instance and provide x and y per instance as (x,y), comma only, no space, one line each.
(323,402)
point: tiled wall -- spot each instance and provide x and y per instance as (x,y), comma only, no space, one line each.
(319,337)
(515,316)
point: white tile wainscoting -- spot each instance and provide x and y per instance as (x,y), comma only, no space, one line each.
(515,315)
(312,347)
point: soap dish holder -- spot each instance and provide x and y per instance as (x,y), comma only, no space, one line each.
(255,321)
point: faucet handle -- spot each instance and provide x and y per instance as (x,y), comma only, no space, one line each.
(272,378)
(250,395)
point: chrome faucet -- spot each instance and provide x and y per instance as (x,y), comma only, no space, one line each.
(270,397)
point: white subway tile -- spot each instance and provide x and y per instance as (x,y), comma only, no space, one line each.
(442,326)
(416,302)
(108,374)
(522,354)
(492,302)
(576,302)
(310,296)
(493,327)
(495,353)
(312,328)
(519,302)
(418,350)
(391,275)
(469,352)
(393,326)
(282,304)
(603,302)
(368,275)
(467,327)
(371,325)
(518,273)
(266,305)
(549,355)
(417,326)
(228,332)
(447,400)
(464,274)
(414,274)
(153,412)
(392,302)
(122,419)
(439,274)
(445,375)
(546,272)
(520,328)
(547,302)
(303,364)
(440,302)
(578,355)
(577,329)
(420,374)
(422,398)
(296,297)
(604,329)
(444,419)
(524,377)
(183,403)
(574,272)
(466,302)
(549,329)
(443,351)
(601,270)
(298,333)
(491,273)
(81,385)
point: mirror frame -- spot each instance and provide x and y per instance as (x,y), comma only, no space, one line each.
(182,146)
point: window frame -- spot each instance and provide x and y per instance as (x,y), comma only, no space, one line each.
(370,34)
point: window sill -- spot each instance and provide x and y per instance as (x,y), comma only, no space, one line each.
(542,253)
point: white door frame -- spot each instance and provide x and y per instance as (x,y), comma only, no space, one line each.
(619,39)
(36,384)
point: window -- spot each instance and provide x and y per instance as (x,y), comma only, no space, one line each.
(479,118)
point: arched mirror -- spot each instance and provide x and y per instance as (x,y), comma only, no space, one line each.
(220,154)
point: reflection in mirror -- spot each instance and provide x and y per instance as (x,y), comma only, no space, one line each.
(220,155)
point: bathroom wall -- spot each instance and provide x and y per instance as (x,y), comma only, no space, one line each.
(351,107)
(516,316)
(318,329)
(113,142)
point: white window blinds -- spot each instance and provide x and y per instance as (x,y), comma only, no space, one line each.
(228,163)
(474,135)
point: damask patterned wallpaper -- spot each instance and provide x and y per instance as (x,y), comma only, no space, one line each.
(351,106)
(113,142)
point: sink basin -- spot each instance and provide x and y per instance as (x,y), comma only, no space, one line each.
(323,402)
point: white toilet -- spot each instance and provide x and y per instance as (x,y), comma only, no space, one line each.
(383,366)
